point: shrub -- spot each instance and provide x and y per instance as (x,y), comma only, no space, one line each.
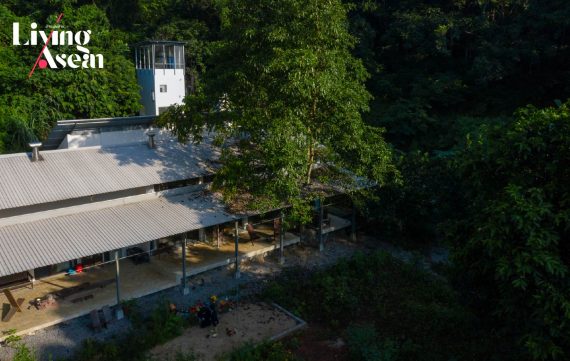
(160,327)
(11,339)
(267,351)
(185,357)
(23,353)
(163,325)
(404,302)
(364,345)
(93,350)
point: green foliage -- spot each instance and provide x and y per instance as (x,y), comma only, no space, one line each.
(185,357)
(407,305)
(30,107)
(267,351)
(511,245)
(98,350)
(23,353)
(409,212)
(11,339)
(159,327)
(434,62)
(163,324)
(364,345)
(283,94)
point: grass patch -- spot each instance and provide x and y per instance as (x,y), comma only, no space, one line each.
(266,351)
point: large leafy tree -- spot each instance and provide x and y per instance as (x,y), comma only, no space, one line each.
(512,245)
(284,95)
(29,107)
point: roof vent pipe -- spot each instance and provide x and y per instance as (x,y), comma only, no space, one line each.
(151,133)
(36,151)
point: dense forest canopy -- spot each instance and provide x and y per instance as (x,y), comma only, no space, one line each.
(469,98)
(438,68)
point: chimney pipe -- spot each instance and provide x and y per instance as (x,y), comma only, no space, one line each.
(36,151)
(151,133)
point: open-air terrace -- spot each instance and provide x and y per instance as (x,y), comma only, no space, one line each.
(95,287)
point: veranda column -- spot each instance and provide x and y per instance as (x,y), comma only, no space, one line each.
(185,289)
(353,224)
(119,310)
(281,236)
(218,236)
(320,228)
(237,274)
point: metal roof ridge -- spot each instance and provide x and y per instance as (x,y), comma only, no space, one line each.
(63,150)
(173,194)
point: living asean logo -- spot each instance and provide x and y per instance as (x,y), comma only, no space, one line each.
(57,37)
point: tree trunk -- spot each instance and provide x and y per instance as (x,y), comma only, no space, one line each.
(311,157)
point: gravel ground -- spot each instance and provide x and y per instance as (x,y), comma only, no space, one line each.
(60,341)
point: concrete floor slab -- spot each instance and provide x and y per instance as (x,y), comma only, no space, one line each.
(164,271)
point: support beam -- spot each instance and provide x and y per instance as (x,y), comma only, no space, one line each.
(119,310)
(236,230)
(184,285)
(281,236)
(353,224)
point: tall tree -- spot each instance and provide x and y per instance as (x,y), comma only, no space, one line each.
(284,95)
(512,246)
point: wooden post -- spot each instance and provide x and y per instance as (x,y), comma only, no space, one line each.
(320,228)
(281,255)
(353,224)
(185,289)
(237,273)
(119,311)
(218,234)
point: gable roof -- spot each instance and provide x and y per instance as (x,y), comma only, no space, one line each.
(73,173)
(81,231)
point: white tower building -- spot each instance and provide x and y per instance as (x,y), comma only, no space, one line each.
(160,73)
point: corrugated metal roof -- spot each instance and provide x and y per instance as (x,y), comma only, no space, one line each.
(74,173)
(28,245)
